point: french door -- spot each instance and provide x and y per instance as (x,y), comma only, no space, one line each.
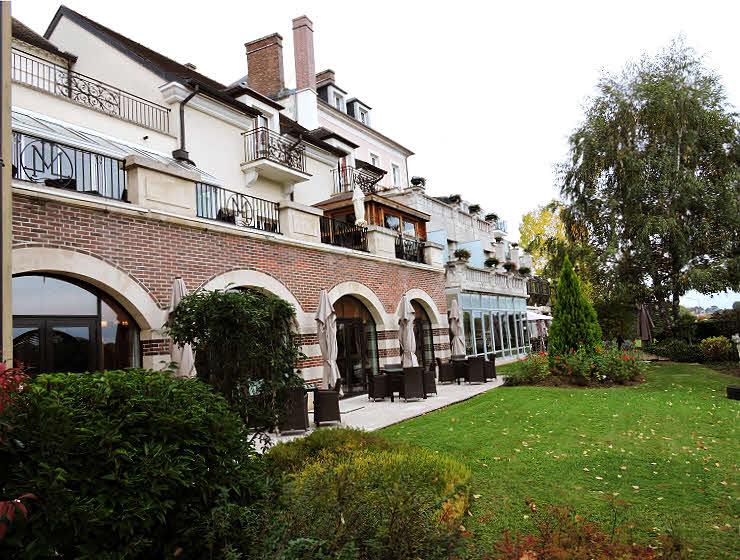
(57,344)
(352,355)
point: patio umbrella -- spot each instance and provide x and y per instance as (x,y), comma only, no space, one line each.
(358,201)
(458,344)
(326,325)
(183,355)
(645,324)
(406,333)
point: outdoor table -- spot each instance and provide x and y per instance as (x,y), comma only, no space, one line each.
(393,371)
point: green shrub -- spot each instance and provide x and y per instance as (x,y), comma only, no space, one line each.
(128,464)
(462,254)
(491,262)
(715,348)
(574,319)
(677,350)
(292,456)
(402,503)
(619,366)
(529,371)
(577,364)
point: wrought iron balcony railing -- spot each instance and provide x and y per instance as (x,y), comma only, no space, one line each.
(347,178)
(409,249)
(223,205)
(341,234)
(57,80)
(64,167)
(263,143)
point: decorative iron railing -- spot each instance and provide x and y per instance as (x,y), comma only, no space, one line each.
(347,178)
(342,234)
(263,143)
(57,80)
(64,167)
(409,249)
(223,205)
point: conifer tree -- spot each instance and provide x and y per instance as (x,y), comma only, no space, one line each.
(574,318)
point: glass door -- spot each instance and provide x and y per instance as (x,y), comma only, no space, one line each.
(351,355)
(56,344)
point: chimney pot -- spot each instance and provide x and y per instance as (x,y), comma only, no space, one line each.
(305,65)
(265,65)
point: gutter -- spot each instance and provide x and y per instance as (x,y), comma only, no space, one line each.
(182,154)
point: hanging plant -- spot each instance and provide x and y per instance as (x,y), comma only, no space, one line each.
(474,208)
(509,266)
(491,262)
(492,217)
(524,271)
(462,254)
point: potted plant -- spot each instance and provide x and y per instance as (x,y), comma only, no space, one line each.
(454,199)
(509,266)
(491,262)
(474,208)
(524,271)
(418,181)
(499,239)
(492,217)
(462,254)
(515,245)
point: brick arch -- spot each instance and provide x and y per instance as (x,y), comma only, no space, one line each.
(438,320)
(367,297)
(250,278)
(129,293)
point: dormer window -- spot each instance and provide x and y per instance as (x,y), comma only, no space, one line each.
(364,117)
(338,101)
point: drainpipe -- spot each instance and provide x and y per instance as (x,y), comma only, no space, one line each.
(181,154)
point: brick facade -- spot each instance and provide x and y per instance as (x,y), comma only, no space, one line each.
(153,252)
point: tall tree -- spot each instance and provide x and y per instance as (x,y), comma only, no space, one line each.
(540,227)
(653,180)
(574,319)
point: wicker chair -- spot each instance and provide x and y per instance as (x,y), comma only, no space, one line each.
(379,386)
(430,381)
(490,368)
(477,370)
(295,417)
(412,383)
(326,405)
(446,371)
(461,369)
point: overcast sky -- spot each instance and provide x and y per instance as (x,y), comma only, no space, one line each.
(484,93)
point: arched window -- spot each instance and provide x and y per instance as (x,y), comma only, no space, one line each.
(63,325)
(357,344)
(424,336)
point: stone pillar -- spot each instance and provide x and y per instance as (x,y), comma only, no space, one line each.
(299,221)
(159,186)
(381,241)
(433,254)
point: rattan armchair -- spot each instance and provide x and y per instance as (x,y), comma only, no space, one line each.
(412,383)
(295,416)
(326,405)
(477,371)
(446,371)
(379,386)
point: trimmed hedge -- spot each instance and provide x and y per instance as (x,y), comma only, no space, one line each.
(129,464)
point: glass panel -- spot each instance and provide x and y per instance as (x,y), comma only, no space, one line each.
(489,339)
(497,334)
(120,336)
(512,332)
(520,334)
(371,359)
(468,327)
(506,333)
(475,300)
(494,302)
(44,295)
(409,228)
(392,222)
(465,300)
(485,302)
(27,347)
(479,344)
(69,348)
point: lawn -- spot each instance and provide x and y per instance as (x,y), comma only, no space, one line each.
(668,447)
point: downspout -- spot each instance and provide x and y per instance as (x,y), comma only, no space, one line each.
(181,154)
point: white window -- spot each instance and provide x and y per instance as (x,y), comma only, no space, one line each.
(364,117)
(396,175)
(375,159)
(338,102)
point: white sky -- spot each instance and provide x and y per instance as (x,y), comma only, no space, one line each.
(485,93)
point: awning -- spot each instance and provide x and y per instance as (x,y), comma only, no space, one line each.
(34,124)
(532,316)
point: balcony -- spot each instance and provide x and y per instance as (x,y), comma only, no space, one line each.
(223,205)
(341,234)
(538,291)
(347,178)
(274,157)
(409,249)
(60,166)
(57,80)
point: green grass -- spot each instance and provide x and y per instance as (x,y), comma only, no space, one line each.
(668,447)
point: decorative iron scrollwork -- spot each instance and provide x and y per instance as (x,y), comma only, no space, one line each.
(90,93)
(43,161)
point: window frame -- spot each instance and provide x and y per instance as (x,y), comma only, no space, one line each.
(396,174)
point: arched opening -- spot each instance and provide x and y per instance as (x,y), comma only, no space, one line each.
(424,336)
(64,325)
(357,344)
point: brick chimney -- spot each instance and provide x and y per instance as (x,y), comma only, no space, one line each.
(325,77)
(265,65)
(305,67)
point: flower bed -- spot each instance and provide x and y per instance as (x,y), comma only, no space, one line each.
(604,366)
